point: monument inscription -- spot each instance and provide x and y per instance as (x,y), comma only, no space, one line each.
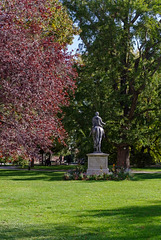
(97,162)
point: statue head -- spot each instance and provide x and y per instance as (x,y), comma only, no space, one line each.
(97,113)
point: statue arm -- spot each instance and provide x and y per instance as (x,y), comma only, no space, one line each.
(102,122)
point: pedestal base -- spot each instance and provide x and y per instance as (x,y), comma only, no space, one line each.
(97,163)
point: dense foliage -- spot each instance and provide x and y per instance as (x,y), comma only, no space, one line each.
(36,77)
(60,25)
(120,77)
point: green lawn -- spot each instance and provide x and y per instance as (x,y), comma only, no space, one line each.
(148,169)
(40,205)
(55,167)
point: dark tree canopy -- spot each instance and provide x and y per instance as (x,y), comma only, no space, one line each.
(121,72)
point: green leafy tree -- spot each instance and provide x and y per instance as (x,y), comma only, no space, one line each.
(60,24)
(122,61)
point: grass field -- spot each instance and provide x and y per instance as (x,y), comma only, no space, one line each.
(40,205)
(148,169)
(55,167)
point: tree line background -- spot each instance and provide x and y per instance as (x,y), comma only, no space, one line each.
(117,73)
(119,76)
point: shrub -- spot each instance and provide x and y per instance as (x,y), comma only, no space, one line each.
(20,161)
(116,174)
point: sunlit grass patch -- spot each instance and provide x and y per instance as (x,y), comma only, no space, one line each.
(41,205)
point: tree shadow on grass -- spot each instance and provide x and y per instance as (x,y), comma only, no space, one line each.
(135,222)
(135,177)
(23,175)
(145,176)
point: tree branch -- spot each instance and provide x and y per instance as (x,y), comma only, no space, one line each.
(135,18)
(145,55)
(133,105)
(144,111)
(157,66)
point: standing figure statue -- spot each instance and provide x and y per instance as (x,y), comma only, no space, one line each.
(97,131)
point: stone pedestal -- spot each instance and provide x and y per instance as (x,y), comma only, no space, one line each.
(97,163)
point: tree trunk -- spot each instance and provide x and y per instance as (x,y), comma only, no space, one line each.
(32,162)
(42,159)
(123,156)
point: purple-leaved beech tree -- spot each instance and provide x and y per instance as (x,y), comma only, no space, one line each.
(36,75)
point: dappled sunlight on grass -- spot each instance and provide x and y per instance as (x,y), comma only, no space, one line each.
(24,175)
(145,176)
(40,205)
(118,223)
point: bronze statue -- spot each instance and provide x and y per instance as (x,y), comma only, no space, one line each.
(97,131)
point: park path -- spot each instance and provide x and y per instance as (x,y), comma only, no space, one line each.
(142,171)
